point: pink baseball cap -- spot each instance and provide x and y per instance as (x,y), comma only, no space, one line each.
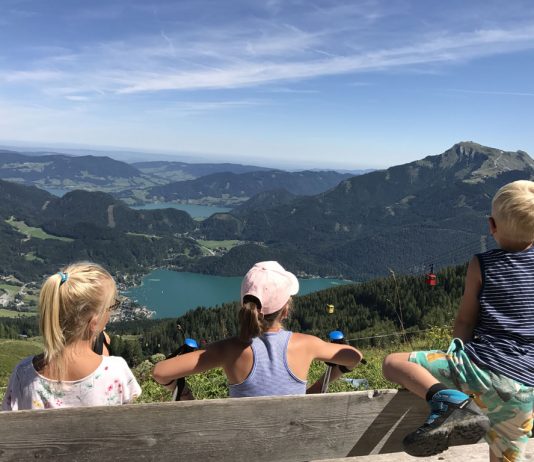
(271,284)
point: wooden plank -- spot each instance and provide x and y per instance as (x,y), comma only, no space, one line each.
(291,428)
(404,413)
(472,453)
(295,428)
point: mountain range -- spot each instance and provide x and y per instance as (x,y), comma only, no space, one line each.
(70,172)
(40,232)
(407,217)
(402,219)
(227,187)
(179,171)
(142,182)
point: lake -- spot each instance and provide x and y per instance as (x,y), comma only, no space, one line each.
(171,294)
(196,211)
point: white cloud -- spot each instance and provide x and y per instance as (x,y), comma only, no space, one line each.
(77,98)
(37,75)
(447,48)
(187,108)
(492,92)
(291,42)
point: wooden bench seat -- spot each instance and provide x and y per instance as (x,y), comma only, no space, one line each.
(291,428)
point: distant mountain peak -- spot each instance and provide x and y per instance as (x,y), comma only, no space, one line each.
(472,162)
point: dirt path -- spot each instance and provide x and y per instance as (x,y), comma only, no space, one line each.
(111,219)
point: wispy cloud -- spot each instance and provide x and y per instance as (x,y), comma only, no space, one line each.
(36,75)
(279,44)
(188,108)
(492,92)
(249,72)
(77,98)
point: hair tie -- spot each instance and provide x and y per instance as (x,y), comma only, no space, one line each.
(64,277)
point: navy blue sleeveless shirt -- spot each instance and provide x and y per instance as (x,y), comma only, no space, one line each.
(503,339)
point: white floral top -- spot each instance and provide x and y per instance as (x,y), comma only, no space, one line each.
(111,383)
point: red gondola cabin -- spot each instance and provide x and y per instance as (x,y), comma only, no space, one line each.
(431,279)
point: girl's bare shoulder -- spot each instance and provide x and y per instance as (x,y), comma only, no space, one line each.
(228,346)
(304,339)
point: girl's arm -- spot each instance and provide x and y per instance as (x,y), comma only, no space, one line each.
(468,313)
(336,353)
(190,363)
(340,354)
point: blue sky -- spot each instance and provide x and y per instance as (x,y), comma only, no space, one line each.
(312,83)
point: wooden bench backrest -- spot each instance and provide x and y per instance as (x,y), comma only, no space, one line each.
(291,428)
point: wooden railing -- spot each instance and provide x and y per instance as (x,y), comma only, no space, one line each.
(290,428)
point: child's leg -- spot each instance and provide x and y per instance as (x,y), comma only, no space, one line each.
(509,406)
(454,418)
(398,368)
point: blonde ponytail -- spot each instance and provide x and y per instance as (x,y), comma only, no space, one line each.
(49,304)
(68,302)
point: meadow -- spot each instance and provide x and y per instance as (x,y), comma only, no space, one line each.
(212,384)
(36,233)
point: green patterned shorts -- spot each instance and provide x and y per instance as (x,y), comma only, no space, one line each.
(507,403)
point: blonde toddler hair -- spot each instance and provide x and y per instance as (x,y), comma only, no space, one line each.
(513,211)
(68,301)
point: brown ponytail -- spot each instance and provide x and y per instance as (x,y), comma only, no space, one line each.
(252,323)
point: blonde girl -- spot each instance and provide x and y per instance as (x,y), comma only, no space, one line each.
(74,307)
(264,359)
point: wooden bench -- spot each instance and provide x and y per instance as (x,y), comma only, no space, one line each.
(291,428)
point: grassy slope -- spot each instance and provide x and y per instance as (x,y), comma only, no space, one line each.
(212,384)
(11,352)
(10,289)
(15,314)
(36,233)
(212,245)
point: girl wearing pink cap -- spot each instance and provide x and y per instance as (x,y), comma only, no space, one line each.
(265,359)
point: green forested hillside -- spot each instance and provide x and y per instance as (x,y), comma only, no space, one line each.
(180,171)
(85,226)
(373,308)
(405,218)
(227,186)
(52,170)
(396,218)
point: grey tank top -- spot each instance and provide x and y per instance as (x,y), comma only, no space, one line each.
(270,374)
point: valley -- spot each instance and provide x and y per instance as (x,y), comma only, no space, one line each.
(403,219)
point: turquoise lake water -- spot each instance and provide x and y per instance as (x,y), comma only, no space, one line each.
(196,211)
(171,294)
